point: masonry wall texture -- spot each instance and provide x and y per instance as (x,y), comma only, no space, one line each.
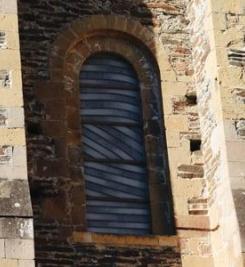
(195,44)
(40,23)
(16,224)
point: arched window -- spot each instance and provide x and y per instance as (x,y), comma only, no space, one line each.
(124,187)
(113,146)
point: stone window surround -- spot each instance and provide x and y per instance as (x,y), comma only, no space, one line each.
(113,43)
(66,57)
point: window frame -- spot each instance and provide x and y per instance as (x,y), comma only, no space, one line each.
(143,63)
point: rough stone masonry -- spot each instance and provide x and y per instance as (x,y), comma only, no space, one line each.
(198,47)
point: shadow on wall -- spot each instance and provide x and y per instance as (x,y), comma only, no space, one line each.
(54,186)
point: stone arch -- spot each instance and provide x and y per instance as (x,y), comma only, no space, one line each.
(82,29)
(71,49)
(81,39)
(150,94)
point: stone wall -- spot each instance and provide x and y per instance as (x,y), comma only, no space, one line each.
(229,38)
(210,56)
(52,185)
(182,42)
(16,224)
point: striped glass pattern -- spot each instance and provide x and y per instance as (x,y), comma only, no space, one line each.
(113,147)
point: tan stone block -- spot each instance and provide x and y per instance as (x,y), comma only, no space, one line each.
(188,188)
(12,97)
(216,21)
(181,205)
(176,123)
(5,190)
(185,78)
(223,39)
(192,234)
(19,249)
(2,249)
(178,156)
(14,228)
(226,258)
(13,172)
(12,136)
(211,65)
(171,241)
(162,60)
(200,246)
(8,6)
(26,263)
(220,6)
(231,111)
(19,156)
(173,138)
(167,105)
(230,76)
(242,20)
(8,263)
(82,237)
(237,168)
(10,59)
(222,58)
(15,117)
(9,23)
(230,130)
(197,158)
(12,40)
(197,261)
(238,182)
(174,88)
(236,150)
(168,76)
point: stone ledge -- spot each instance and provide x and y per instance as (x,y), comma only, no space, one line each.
(125,240)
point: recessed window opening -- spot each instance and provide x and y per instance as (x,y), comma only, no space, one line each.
(195,145)
(114,158)
(191,99)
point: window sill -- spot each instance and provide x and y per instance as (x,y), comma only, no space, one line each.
(124,240)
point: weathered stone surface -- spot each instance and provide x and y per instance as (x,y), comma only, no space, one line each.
(8,263)
(50,180)
(2,249)
(20,249)
(26,263)
(15,200)
(190,171)
(15,204)
(16,228)
(189,60)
